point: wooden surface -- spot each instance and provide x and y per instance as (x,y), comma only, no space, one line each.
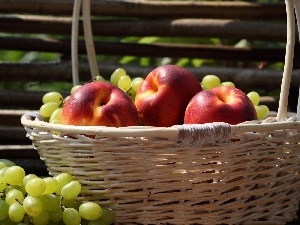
(146,9)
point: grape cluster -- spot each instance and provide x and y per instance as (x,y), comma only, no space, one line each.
(211,81)
(52,107)
(53,102)
(32,200)
(123,81)
(262,111)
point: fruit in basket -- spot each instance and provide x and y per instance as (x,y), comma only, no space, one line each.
(47,109)
(262,111)
(53,96)
(99,104)
(210,81)
(220,104)
(164,94)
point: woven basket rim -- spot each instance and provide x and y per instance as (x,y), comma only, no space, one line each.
(151,131)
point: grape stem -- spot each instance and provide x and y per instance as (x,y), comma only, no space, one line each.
(288,66)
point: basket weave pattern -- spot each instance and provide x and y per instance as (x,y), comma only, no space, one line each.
(158,180)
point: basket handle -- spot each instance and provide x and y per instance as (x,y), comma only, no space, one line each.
(297,9)
(74,42)
(88,37)
(288,66)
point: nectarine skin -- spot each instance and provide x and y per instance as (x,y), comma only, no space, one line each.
(99,104)
(163,96)
(220,104)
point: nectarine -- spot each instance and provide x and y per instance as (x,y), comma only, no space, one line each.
(220,104)
(164,94)
(99,104)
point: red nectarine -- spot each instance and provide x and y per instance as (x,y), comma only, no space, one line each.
(99,104)
(163,96)
(220,104)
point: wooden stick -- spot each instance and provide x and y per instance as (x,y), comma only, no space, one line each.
(195,27)
(153,9)
(288,67)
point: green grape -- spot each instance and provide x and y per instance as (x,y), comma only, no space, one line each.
(62,180)
(262,111)
(14,175)
(71,190)
(210,81)
(228,83)
(42,218)
(8,162)
(2,171)
(52,96)
(2,165)
(131,93)
(55,121)
(50,201)
(100,78)
(16,212)
(107,217)
(115,76)
(74,88)
(90,210)
(48,108)
(2,184)
(124,83)
(3,209)
(20,188)
(71,217)
(51,185)
(7,189)
(35,186)
(55,116)
(56,214)
(254,97)
(32,205)
(13,196)
(27,178)
(136,83)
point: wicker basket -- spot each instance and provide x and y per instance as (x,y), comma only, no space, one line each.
(188,174)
